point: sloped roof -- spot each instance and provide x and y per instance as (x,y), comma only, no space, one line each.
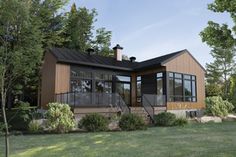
(69,56)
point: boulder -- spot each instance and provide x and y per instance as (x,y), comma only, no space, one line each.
(206,119)
(230,117)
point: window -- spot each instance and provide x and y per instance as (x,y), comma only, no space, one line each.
(138,87)
(103,83)
(123,87)
(159,83)
(81,86)
(81,81)
(182,87)
(123,78)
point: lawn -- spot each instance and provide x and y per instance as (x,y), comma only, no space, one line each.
(203,140)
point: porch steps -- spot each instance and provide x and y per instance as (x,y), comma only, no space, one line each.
(142,113)
(158,110)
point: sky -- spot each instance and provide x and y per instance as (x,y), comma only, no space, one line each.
(151,28)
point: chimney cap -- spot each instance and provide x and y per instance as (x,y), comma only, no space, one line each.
(117,47)
(132,59)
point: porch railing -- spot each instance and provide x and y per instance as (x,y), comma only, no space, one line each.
(150,101)
(77,99)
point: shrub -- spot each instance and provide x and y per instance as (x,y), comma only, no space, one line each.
(165,119)
(60,118)
(2,126)
(181,122)
(216,106)
(131,121)
(94,122)
(19,117)
(34,126)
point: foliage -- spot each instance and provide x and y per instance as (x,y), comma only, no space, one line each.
(94,122)
(233,91)
(216,106)
(24,110)
(222,41)
(181,122)
(34,126)
(60,118)
(213,90)
(79,30)
(165,119)
(2,126)
(131,121)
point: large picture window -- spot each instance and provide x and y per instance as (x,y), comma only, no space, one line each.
(81,81)
(103,83)
(182,87)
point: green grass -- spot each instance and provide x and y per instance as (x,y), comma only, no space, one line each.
(201,140)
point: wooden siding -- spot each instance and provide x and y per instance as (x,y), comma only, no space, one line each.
(48,79)
(62,83)
(187,65)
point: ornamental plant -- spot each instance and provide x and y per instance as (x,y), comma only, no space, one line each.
(216,106)
(60,118)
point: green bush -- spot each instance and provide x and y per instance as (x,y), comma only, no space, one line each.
(2,126)
(94,122)
(181,122)
(216,106)
(34,126)
(19,117)
(131,121)
(165,119)
(60,118)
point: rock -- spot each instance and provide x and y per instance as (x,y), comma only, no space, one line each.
(230,117)
(206,119)
(114,125)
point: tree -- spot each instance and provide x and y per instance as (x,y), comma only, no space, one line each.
(80,34)
(102,42)
(20,48)
(221,39)
(79,27)
(233,90)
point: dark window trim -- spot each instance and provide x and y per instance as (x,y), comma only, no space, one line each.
(183,97)
(136,83)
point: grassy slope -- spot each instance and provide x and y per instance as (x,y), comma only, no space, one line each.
(194,140)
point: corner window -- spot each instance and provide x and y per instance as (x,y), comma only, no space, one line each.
(182,87)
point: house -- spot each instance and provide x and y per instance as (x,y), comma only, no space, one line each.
(93,83)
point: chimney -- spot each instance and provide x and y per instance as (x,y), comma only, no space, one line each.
(118,52)
(132,59)
(90,51)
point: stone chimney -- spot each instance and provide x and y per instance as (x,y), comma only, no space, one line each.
(118,52)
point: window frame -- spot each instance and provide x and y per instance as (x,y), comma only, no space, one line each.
(193,78)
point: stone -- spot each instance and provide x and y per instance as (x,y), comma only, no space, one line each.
(206,119)
(230,117)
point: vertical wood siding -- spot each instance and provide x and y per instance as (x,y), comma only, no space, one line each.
(48,79)
(62,83)
(186,64)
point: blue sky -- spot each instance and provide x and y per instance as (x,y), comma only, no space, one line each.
(150,28)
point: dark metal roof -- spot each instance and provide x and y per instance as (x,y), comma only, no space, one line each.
(74,57)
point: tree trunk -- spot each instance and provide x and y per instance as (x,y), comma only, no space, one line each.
(3,94)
